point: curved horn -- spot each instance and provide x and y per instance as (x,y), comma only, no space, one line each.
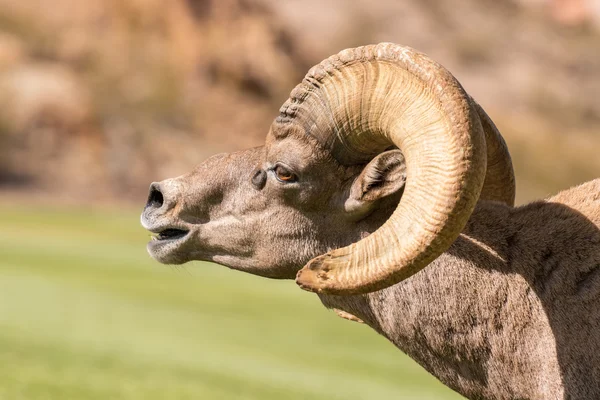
(499,184)
(358,103)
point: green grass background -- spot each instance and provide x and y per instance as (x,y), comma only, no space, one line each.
(86,314)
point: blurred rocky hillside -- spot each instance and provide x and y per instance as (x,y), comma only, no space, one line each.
(99,97)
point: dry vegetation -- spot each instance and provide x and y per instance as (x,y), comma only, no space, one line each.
(98,98)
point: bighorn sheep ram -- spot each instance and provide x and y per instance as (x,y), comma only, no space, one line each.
(395,191)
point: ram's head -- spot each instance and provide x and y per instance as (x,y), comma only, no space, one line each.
(370,171)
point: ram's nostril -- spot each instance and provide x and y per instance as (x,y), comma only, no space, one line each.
(155,198)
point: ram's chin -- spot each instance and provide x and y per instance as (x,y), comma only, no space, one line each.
(167,252)
(263,268)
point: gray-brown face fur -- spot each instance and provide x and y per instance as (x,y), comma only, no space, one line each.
(269,210)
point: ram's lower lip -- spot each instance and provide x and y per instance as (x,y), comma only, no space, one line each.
(170,235)
(167,247)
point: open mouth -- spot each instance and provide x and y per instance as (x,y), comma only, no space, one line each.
(170,234)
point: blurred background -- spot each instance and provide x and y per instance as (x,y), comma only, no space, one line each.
(100,97)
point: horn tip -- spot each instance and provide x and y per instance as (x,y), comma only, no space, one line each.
(321,275)
(314,276)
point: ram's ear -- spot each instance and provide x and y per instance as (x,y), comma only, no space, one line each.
(384,176)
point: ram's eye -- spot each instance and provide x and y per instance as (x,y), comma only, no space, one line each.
(284,174)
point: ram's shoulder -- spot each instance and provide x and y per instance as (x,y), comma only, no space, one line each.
(584,199)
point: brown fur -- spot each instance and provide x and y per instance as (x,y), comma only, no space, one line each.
(512,310)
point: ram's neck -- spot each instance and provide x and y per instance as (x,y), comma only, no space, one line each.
(459,316)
